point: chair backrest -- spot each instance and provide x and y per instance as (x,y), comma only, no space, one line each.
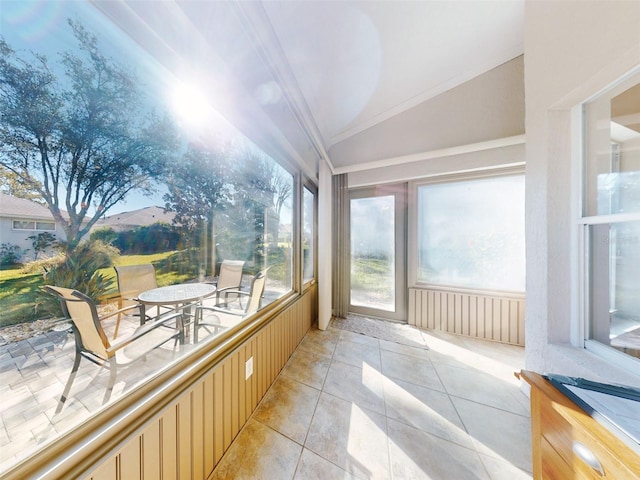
(133,280)
(230,274)
(82,311)
(255,294)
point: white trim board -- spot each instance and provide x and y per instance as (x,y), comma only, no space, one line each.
(444,152)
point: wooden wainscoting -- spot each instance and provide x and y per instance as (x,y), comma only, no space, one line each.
(491,317)
(189,437)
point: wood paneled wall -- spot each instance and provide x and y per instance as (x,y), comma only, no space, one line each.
(189,438)
(489,317)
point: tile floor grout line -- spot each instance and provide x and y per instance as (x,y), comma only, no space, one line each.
(488,406)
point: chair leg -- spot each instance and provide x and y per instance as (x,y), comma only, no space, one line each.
(112,379)
(180,325)
(143,314)
(67,388)
(115,333)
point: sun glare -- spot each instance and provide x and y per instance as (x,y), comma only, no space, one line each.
(190,104)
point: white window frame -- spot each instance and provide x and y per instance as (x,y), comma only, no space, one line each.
(46,229)
(307,185)
(35,226)
(412,241)
(582,315)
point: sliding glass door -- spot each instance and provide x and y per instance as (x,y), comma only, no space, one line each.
(378,238)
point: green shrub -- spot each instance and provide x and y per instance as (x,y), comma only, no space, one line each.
(79,271)
(43,242)
(278,260)
(10,254)
(106,235)
(154,238)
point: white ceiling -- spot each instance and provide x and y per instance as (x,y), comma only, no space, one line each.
(344,66)
(360,63)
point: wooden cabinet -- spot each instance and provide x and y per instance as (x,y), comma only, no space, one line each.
(568,444)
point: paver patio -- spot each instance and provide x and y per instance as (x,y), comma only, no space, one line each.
(33,373)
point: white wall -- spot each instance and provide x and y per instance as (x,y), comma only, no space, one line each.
(441,164)
(19,237)
(324,246)
(572,51)
(488,107)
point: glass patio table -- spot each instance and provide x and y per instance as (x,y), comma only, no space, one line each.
(182,295)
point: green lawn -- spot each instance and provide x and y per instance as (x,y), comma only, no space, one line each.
(370,273)
(372,278)
(18,294)
(22,300)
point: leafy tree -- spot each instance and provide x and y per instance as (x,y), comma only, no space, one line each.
(198,185)
(199,188)
(281,185)
(79,141)
(236,189)
(12,184)
(261,193)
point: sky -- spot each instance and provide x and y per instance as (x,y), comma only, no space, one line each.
(42,27)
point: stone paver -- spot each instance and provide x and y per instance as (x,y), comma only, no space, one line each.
(33,373)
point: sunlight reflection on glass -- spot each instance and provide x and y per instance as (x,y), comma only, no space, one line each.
(190,103)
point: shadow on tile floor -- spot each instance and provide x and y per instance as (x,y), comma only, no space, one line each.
(350,405)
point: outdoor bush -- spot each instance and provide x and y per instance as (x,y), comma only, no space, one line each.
(79,271)
(42,265)
(43,242)
(154,238)
(10,254)
(279,263)
(106,235)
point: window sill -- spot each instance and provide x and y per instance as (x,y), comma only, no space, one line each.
(569,360)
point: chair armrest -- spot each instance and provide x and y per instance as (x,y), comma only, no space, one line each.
(148,327)
(122,310)
(228,292)
(220,310)
(234,289)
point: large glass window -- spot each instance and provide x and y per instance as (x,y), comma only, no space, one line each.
(139,171)
(308,234)
(470,233)
(611,217)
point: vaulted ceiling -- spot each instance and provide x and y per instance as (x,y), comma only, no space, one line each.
(360,63)
(324,77)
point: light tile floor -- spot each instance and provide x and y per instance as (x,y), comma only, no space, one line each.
(349,406)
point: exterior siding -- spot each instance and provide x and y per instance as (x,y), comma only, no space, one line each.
(19,237)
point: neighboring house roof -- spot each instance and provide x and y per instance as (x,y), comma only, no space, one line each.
(15,207)
(136,218)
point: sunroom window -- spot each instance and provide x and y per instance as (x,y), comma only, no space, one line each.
(308,234)
(470,233)
(610,220)
(138,172)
